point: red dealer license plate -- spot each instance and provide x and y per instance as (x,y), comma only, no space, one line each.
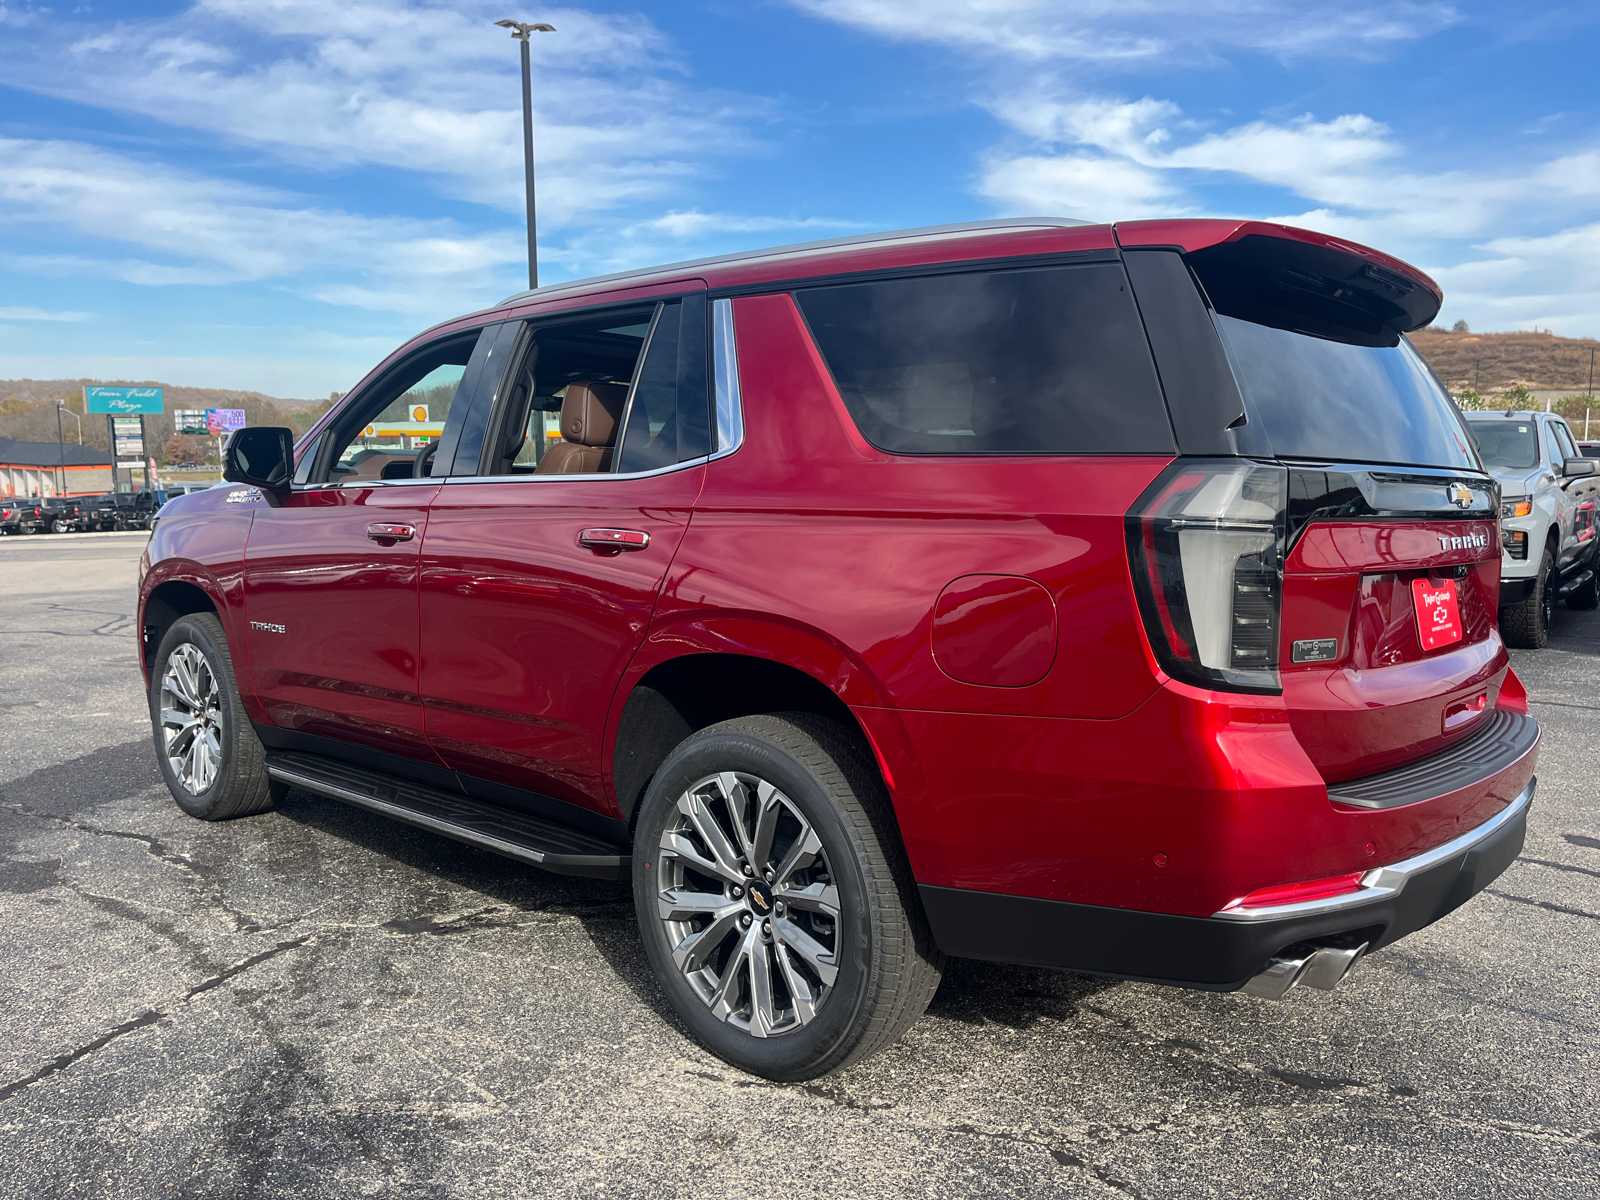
(1438,613)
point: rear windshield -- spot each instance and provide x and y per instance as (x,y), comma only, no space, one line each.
(1046,361)
(1509,444)
(1328,400)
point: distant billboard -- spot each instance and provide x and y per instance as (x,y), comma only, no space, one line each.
(123,399)
(190,422)
(224,420)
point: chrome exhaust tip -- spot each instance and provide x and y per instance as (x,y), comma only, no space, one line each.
(1323,968)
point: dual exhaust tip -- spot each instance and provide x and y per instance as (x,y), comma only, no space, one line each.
(1321,967)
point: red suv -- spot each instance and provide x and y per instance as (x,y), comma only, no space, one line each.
(1113,598)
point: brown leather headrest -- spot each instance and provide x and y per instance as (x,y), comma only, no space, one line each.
(590,412)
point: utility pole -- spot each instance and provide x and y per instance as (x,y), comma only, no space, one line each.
(61,451)
(523,32)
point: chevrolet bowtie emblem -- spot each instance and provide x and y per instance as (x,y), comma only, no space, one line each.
(1460,495)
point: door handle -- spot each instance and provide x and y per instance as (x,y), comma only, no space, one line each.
(391,533)
(614,539)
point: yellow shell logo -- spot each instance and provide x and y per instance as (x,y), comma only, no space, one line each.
(419,413)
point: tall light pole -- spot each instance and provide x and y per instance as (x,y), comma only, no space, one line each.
(523,31)
(61,450)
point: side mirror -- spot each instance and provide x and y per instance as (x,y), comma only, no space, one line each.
(1577,468)
(262,456)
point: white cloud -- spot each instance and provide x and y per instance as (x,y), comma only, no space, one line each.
(39,314)
(1131,32)
(193,230)
(418,87)
(1091,187)
(1550,282)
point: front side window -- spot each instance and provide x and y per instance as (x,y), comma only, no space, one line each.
(1321,399)
(393,432)
(1553,446)
(1048,360)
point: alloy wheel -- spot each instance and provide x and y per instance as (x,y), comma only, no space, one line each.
(191,724)
(749,903)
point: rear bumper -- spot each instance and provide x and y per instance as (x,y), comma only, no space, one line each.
(1224,951)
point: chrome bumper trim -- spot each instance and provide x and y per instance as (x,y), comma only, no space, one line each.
(1383,882)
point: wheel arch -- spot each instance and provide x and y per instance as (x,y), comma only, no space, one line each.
(173,597)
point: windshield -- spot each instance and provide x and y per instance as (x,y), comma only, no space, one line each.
(1511,445)
(1325,400)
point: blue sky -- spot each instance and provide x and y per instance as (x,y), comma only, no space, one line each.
(272,194)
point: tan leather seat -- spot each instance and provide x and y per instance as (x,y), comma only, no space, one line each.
(589,416)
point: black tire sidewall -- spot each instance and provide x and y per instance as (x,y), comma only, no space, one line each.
(197,631)
(795,1055)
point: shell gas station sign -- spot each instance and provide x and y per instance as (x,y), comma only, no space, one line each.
(419,426)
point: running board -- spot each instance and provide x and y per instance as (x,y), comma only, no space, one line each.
(1573,585)
(526,838)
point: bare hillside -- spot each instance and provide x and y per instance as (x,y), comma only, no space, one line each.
(1497,360)
(27,414)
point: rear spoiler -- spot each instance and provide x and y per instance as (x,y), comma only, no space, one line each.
(1296,279)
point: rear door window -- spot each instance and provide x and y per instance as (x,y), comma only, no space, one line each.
(1050,360)
(1316,398)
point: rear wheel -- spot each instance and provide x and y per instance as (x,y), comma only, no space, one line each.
(1527,625)
(774,897)
(60,525)
(208,751)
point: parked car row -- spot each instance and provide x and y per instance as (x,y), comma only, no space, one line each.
(88,514)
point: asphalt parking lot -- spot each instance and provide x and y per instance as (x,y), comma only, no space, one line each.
(319,1002)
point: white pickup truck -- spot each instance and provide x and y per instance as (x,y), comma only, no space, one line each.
(1548,496)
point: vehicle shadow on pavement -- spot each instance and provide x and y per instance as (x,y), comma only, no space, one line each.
(603,907)
(972,992)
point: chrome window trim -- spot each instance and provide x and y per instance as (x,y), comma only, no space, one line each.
(591,476)
(725,372)
(1383,882)
(367,483)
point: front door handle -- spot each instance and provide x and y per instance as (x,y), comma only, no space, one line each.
(389,534)
(614,539)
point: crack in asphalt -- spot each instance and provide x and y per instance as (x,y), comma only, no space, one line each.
(1555,866)
(1545,904)
(149,1017)
(1064,1158)
(207,889)
(1577,839)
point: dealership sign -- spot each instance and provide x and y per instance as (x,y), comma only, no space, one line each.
(123,399)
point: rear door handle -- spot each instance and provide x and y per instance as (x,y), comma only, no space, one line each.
(391,533)
(614,539)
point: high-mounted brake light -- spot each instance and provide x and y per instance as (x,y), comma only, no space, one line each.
(1206,544)
(1298,893)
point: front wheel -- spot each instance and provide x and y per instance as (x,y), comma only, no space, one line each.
(1527,625)
(60,525)
(775,900)
(210,756)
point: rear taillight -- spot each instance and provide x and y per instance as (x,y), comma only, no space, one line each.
(1205,543)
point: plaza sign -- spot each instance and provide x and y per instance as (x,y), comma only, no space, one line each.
(123,400)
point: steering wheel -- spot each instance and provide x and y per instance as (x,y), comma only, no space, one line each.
(422,466)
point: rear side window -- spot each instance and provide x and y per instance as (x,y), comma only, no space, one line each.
(1046,361)
(1322,399)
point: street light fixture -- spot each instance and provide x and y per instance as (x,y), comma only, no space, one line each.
(523,31)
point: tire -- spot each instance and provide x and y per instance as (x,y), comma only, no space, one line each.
(1527,625)
(843,986)
(884,965)
(60,526)
(226,776)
